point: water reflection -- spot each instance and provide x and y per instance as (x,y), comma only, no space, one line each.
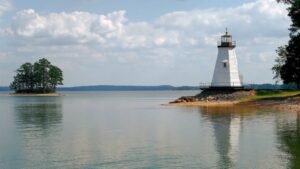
(289,137)
(38,120)
(231,128)
(37,113)
(240,111)
(226,123)
(92,132)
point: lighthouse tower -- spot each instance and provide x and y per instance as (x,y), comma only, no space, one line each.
(226,73)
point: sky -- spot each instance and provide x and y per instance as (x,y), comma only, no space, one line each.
(139,42)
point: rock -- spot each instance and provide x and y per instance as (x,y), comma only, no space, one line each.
(185,99)
(176,101)
(210,98)
(216,95)
(224,95)
(188,98)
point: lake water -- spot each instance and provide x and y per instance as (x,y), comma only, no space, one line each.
(132,130)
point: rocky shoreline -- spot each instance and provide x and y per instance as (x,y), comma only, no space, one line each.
(216,96)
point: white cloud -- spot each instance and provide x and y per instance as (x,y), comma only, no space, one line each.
(265,56)
(68,28)
(5,5)
(259,27)
(262,18)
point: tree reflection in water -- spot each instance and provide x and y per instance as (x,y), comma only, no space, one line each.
(39,123)
(38,114)
(227,125)
(289,137)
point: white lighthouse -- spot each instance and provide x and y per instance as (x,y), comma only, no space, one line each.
(226,73)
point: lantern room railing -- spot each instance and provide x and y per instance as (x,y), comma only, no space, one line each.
(226,44)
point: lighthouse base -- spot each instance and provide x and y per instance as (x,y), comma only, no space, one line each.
(233,88)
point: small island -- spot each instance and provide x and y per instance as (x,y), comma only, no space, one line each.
(38,79)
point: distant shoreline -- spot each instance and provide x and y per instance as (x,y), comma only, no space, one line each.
(147,88)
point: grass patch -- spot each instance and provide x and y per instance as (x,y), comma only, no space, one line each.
(268,92)
(270,95)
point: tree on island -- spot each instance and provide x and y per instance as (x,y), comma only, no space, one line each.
(40,77)
(287,67)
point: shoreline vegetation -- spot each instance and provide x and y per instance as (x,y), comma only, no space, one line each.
(277,99)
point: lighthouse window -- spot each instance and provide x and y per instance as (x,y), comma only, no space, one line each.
(226,39)
(224,64)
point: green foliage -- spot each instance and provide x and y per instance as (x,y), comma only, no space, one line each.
(280,61)
(287,67)
(290,70)
(294,13)
(286,1)
(267,92)
(270,95)
(40,77)
(292,86)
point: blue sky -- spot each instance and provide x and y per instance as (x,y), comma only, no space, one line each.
(135,42)
(136,9)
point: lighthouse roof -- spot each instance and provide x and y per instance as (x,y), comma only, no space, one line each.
(226,34)
(226,40)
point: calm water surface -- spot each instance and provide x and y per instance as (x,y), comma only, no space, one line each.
(132,130)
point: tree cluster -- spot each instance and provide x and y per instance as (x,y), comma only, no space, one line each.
(40,77)
(287,67)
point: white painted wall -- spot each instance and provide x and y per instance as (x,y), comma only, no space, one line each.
(226,76)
